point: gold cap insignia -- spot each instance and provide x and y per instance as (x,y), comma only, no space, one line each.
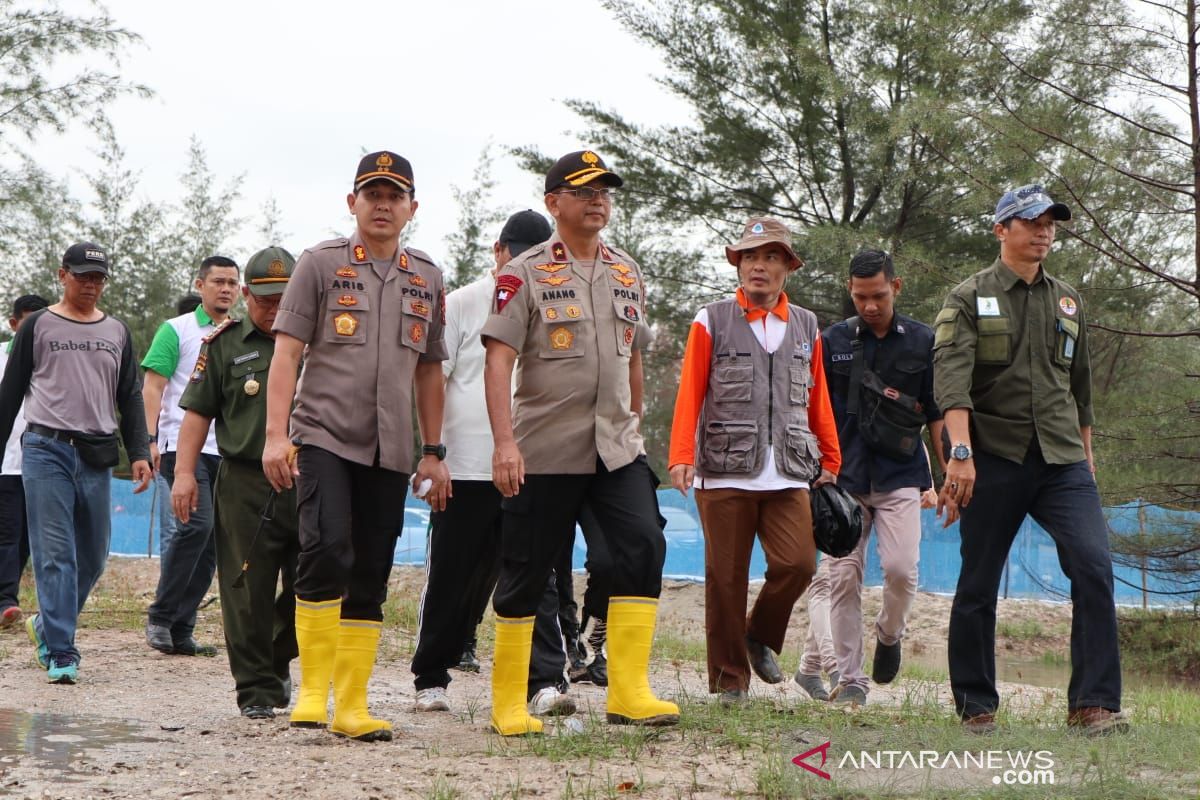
(275,269)
(561,338)
(384,161)
(345,324)
(589,158)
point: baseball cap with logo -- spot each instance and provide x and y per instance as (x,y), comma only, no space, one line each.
(760,231)
(1029,202)
(523,230)
(269,270)
(578,168)
(85,257)
(384,165)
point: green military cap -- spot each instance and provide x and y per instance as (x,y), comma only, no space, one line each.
(268,271)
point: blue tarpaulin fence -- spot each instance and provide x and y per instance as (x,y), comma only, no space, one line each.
(1033,569)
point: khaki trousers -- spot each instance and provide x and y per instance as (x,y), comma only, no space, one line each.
(896,518)
(818,645)
(731,517)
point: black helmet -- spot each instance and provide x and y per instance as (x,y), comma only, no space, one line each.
(837,520)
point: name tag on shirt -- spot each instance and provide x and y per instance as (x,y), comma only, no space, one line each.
(988,306)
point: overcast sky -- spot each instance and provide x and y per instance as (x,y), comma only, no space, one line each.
(291,94)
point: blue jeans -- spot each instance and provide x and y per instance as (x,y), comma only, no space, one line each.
(189,556)
(68,506)
(1063,499)
(166,517)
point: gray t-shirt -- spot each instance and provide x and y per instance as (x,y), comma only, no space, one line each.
(75,376)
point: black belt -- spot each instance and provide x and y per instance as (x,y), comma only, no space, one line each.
(54,433)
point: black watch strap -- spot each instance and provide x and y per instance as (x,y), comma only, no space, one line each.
(438,450)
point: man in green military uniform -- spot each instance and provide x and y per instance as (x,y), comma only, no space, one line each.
(256,528)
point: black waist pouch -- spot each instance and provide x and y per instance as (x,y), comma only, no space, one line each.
(889,421)
(97,450)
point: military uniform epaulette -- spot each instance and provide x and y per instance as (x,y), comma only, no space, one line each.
(331,243)
(620,254)
(421,255)
(224,326)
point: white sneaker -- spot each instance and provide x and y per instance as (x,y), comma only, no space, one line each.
(549,702)
(432,699)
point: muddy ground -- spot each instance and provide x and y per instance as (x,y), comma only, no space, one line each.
(142,724)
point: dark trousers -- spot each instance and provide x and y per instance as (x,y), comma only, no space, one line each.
(598,565)
(350,518)
(189,557)
(1063,499)
(462,564)
(540,521)
(14,539)
(260,615)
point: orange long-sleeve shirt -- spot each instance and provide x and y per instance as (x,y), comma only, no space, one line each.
(693,386)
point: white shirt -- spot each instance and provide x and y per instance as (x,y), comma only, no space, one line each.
(769,333)
(12,448)
(466,431)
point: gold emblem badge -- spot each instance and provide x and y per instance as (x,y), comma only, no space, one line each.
(403,261)
(551,268)
(417,280)
(625,280)
(419,308)
(621,268)
(561,338)
(416,332)
(345,324)
(551,313)
(360,253)
(347,300)
(275,269)
(251,386)
(554,280)
(628,335)
(347,272)
(590,158)
(384,161)
(574,311)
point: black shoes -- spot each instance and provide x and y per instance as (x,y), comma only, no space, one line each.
(762,661)
(159,637)
(258,712)
(468,662)
(886,663)
(595,672)
(190,647)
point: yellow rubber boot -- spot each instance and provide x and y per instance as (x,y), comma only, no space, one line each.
(510,677)
(316,636)
(630,633)
(358,642)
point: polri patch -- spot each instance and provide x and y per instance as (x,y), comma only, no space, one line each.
(507,286)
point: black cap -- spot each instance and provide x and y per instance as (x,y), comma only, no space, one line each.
(384,165)
(85,257)
(578,168)
(523,230)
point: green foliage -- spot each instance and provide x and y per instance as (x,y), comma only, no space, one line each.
(470,245)
(1164,641)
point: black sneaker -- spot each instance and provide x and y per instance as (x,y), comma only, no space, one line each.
(159,637)
(190,647)
(596,672)
(258,712)
(762,661)
(887,662)
(468,662)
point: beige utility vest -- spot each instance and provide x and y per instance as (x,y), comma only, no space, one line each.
(757,400)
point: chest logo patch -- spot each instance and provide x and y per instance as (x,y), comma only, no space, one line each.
(987,306)
(631,313)
(417,280)
(561,338)
(554,280)
(347,300)
(345,324)
(347,272)
(1067,305)
(574,311)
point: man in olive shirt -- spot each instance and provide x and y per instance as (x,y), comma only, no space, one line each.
(572,309)
(1013,378)
(256,528)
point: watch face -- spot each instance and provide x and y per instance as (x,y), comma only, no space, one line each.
(961,452)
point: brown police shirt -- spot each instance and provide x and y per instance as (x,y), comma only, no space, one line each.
(366,326)
(574,325)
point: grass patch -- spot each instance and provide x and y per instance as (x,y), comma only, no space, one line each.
(1022,629)
(1162,641)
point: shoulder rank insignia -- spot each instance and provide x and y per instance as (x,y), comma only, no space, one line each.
(347,272)
(360,253)
(217,331)
(605,253)
(403,261)
(345,324)
(347,300)
(417,280)
(551,268)
(561,338)
(555,280)
(559,252)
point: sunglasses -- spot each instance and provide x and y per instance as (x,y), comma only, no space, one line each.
(588,193)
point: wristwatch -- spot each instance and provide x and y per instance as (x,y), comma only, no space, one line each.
(438,450)
(960,452)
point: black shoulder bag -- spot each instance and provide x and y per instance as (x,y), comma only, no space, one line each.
(889,421)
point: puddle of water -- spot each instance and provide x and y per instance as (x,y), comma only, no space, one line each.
(56,740)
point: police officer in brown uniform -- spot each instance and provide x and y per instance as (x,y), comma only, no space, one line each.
(572,310)
(367,315)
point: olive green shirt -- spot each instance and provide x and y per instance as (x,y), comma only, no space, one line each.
(229,384)
(1016,356)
